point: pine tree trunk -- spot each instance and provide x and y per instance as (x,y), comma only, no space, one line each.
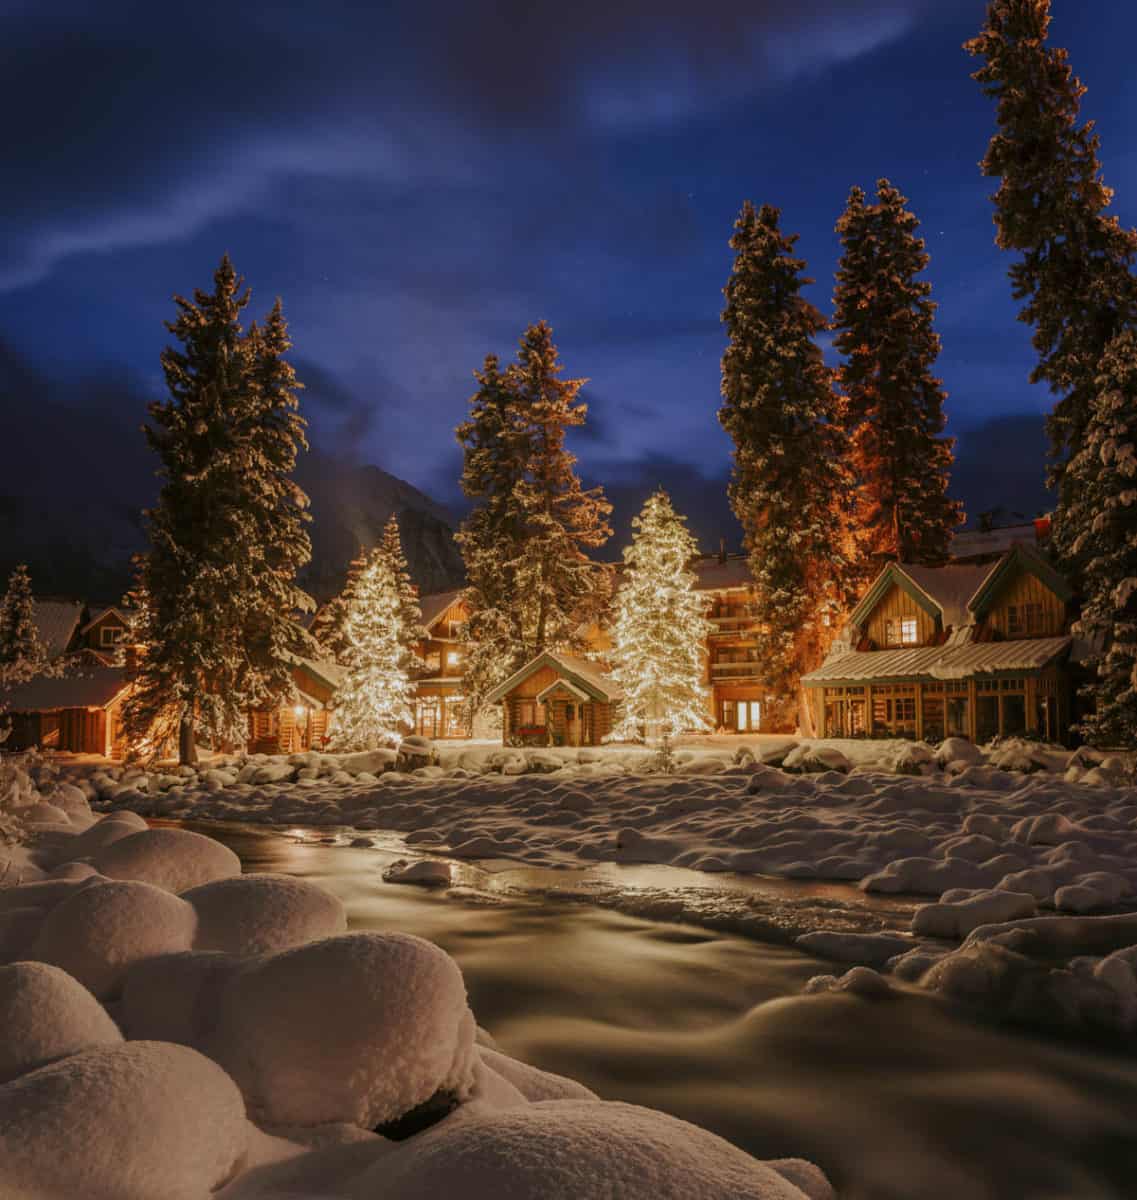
(187,746)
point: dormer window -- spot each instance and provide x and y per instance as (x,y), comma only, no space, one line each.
(901,631)
(111,635)
(1023,619)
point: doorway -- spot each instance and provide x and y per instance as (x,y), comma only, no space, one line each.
(742,716)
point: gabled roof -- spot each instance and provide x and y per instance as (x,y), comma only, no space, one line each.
(586,675)
(94,686)
(56,623)
(1022,558)
(563,685)
(329,673)
(435,605)
(894,575)
(99,614)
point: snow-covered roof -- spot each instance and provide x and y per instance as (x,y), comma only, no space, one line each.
(588,675)
(326,670)
(958,660)
(712,574)
(950,587)
(95,686)
(976,543)
(100,613)
(435,605)
(56,623)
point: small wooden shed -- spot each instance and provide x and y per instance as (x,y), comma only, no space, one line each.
(557,700)
(79,712)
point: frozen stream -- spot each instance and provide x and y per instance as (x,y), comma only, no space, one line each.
(897,1099)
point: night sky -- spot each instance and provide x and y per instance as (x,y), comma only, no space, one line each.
(420,181)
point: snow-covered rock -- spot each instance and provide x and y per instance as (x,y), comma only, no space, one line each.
(426,873)
(258,914)
(133,1121)
(569,1150)
(46,1015)
(359,1029)
(809,757)
(172,859)
(104,927)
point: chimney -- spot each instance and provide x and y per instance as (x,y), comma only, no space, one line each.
(1042,529)
(722,551)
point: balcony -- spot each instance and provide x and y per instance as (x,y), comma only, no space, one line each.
(734,670)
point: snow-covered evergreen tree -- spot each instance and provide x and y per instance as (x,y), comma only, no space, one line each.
(531,582)
(562,519)
(660,630)
(1075,270)
(1103,506)
(410,611)
(494,454)
(227,534)
(373,703)
(19,634)
(790,486)
(894,404)
(329,626)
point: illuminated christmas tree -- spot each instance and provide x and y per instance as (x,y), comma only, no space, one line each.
(374,700)
(660,628)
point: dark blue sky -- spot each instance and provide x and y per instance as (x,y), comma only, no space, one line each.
(420,181)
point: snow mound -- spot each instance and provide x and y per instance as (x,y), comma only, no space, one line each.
(260,914)
(101,929)
(133,1122)
(809,758)
(571,1149)
(957,919)
(46,1015)
(426,873)
(358,1029)
(172,859)
(110,829)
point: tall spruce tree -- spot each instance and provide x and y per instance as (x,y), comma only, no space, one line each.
(373,703)
(1075,270)
(19,633)
(661,627)
(790,485)
(531,582)
(1103,507)
(894,405)
(216,588)
(329,626)
(562,519)
(491,538)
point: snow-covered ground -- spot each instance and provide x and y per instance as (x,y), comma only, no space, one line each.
(1027,852)
(1027,856)
(174,1028)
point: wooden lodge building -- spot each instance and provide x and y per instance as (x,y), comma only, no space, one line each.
(438,686)
(973,650)
(558,700)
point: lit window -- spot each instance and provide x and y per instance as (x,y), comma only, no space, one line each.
(110,635)
(909,632)
(452,658)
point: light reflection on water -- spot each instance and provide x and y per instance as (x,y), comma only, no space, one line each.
(897,1100)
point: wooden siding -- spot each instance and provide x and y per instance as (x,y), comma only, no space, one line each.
(1020,590)
(894,605)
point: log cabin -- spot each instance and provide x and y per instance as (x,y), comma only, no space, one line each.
(975,650)
(557,700)
(304,722)
(80,712)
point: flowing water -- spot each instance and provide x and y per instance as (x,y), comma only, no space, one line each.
(897,1099)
